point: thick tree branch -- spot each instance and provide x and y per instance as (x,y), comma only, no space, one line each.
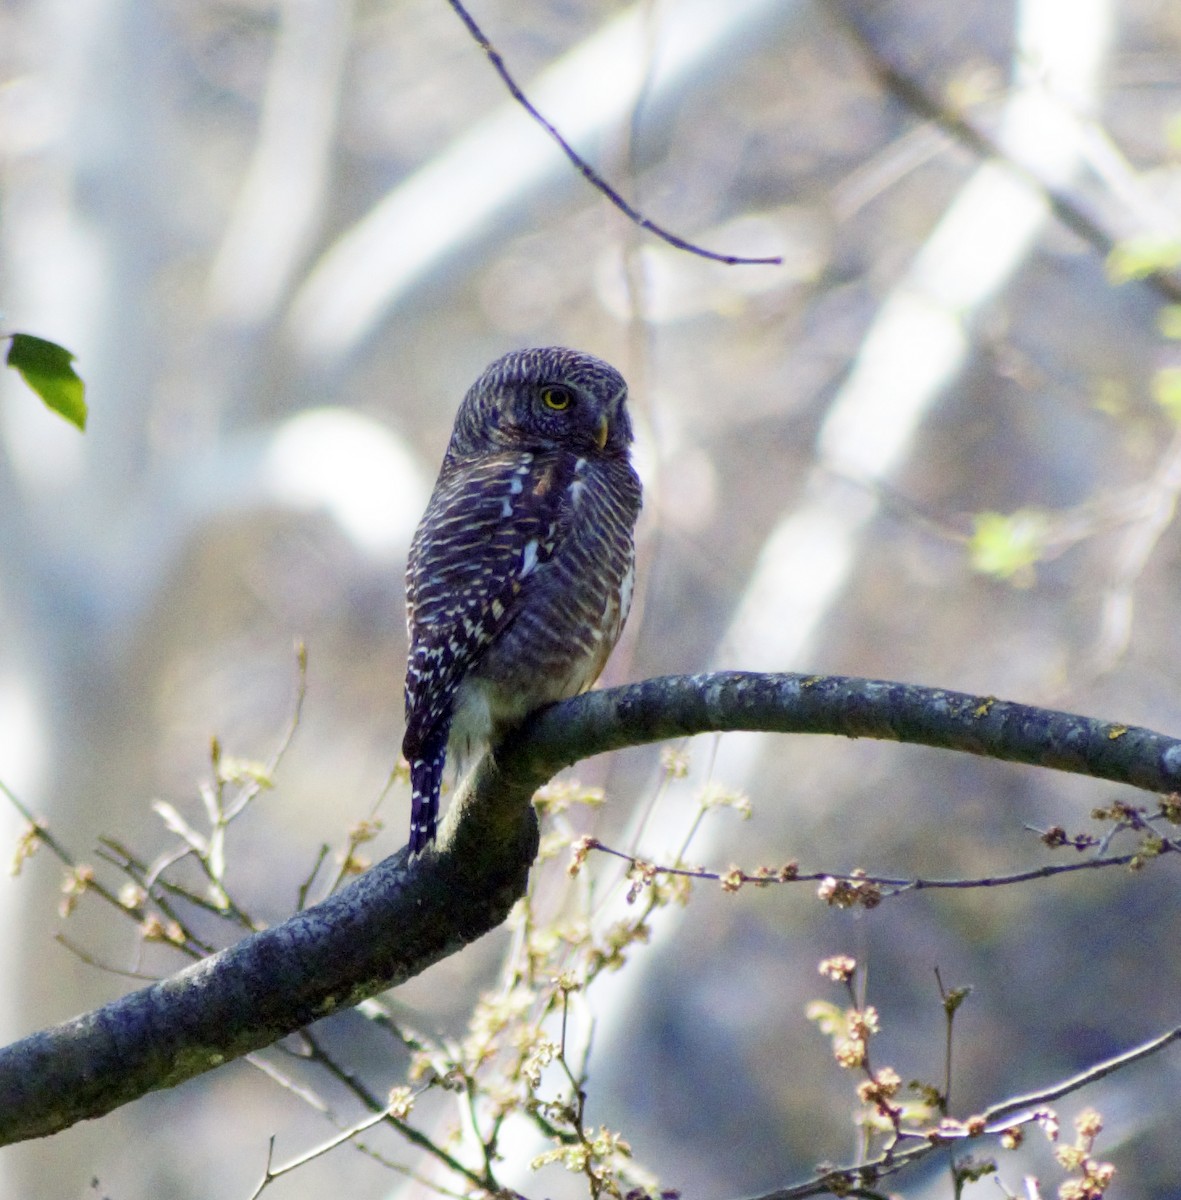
(398,919)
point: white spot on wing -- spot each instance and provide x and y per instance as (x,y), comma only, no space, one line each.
(578,486)
(626,587)
(529,558)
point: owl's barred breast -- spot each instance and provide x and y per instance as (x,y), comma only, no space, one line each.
(577,603)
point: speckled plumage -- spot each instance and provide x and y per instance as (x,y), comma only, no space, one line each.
(519,577)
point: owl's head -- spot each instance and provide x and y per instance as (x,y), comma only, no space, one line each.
(544,399)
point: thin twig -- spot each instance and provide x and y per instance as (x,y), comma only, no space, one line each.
(584,168)
(117,855)
(306,1094)
(271,1173)
(301,901)
(997,1113)
(91,961)
(996,1119)
(135,912)
(320,1055)
(735,878)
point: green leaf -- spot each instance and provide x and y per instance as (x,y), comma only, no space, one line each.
(1168,321)
(45,367)
(1139,257)
(1008,546)
(1166,390)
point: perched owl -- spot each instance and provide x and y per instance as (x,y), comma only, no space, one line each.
(520,572)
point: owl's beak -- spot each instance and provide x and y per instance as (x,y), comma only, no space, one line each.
(601,432)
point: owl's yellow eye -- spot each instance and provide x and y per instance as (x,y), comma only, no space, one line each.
(557,398)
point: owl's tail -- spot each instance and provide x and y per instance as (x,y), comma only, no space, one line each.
(426,778)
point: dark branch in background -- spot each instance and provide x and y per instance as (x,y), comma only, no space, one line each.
(396,920)
(584,168)
(915,96)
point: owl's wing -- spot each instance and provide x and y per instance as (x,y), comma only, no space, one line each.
(489,525)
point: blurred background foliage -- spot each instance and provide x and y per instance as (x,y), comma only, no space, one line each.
(938,443)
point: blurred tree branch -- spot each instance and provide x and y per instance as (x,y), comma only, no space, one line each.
(397,919)
(1067,206)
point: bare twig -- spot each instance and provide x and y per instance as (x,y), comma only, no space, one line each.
(272,1072)
(91,961)
(301,901)
(272,1172)
(1002,1116)
(415,1137)
(584,168)
(994,1120)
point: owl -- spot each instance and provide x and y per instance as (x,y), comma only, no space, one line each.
(520,573)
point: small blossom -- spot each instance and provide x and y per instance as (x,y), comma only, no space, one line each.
(1047,1118)
(354,864)
(846,893)
(1089,1124)
(1070,1158)
(674,763)
(840,968)
(641,875)
(26,845)
(1093,1184)
(1011,1139)
(864,1022)
(132,896)
(732,880)
(151,928)
(563,794)
(716,796)
(849,1053)
(537,1060)
(881,1088)
(76,882)
(401,1102)
(578,853)
(364,831)
(867,894)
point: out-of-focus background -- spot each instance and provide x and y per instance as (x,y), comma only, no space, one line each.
(283,237)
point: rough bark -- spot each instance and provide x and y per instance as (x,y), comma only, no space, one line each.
(401,917)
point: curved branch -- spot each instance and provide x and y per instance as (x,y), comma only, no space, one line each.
(584,168)
(398,919)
